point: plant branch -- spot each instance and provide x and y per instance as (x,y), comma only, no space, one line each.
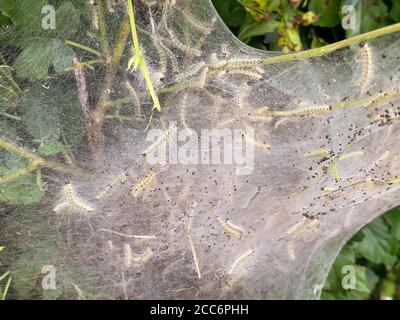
(334,46)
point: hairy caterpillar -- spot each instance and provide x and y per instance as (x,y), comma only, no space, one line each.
(253,197)
(290,250)
(120,180)
(383,97)
(183,47)
(196,260)
(322,153)
(161,54)
(366,67)
(131,236)
(311,111)
(259,145)
(127,255)
(215,63)
(247,73)
(201,26)
(202,77)
(303,225)
(351,155)
(144,183)
(193,70)
(74,200)
(231,229)
(143,257)
(243,63)
(239,260)
(134,97)
(160,141)
(171,55)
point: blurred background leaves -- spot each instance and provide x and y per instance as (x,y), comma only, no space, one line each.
(294,25)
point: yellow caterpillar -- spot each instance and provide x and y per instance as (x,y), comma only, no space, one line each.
(196,260)
(160,141)
(183,47)
(130,236)
(193,70)
(383,97)
(247,73)
(127,255)
(366,67)
(144,257)
(322,153)
(311,111)
(259,145)
(303,225)
(120,180)
(74,200)
(230,229)
(201,26)
(143,184)
(239,260)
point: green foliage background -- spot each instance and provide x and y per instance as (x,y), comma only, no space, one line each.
(294,25)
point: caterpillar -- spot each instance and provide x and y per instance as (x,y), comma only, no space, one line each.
(311,111)
(383,97)
(303,225)
(352,155)
(160,141)
(259,145)
(366,67)
(247,73)
(239,260)
(230,229)
(202,77)
(74,200)
(224,50)
(253,197)
(144,257)
(201,26)
(120,180)
(215,63)
(196,260)
(290,250)
(322,153)
(127,255)
(130,236)
(134,97)
(171,55)
(143,184)
(183,47)
(161,55)
(228,123)
(242,63)
(193,70)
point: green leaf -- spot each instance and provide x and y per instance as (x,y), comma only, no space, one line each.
(328,12)
(395,11)
(251,28)
(1,248)
(21,191)
(374,15)
(377,245)
(230,11)
(35,60)
(393,217)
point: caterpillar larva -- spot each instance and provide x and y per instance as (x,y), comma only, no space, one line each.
(224,49)
(311,111)
(130,236)
(366,67)
(193,70)
(202,77)
(247,73)
(239,260)
(351,155)
(160,141)
(60,207)
(322,153)
(74,200)
(231,230)
(120,180)
(215,63)
(127,255)
(144,183)
(196,260)
(259,145)
(134,97)
(383,97)
(290,250)
(161,55)
(200,25)
(242,63)
(144,257)
(303,225)
(171,55)
(253,197)
(183,47)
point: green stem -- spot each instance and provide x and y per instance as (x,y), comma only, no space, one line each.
(36,159)
(140,59)
(83,47)
(334,46)
(8,76)
(6,288)
(103,28)
(83,64)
